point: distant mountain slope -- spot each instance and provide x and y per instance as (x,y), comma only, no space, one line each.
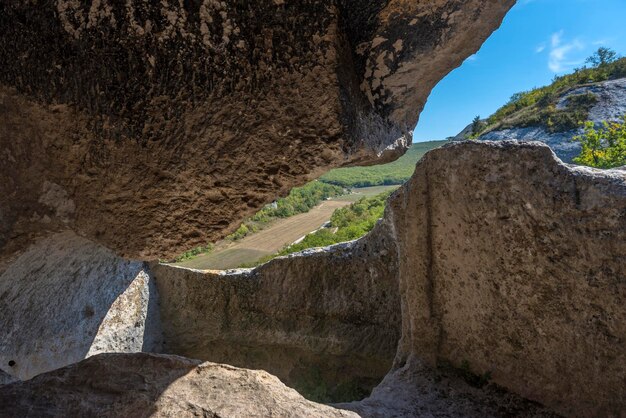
(396,172)
(553,114)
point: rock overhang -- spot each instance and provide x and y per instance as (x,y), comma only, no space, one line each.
(164,124)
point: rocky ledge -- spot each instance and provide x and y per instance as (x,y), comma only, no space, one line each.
(143,385)
(154,127)
(506,266)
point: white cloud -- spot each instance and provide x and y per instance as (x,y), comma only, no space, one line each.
(472,57)
(540,48)
(602,42)
(560,53)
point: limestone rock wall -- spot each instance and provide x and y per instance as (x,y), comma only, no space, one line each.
(67,298)
(326,317)
(514,264)
(322,318)
(154,127)
(495,257)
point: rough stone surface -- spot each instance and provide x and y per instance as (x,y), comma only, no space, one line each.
(6,378)
(327,317)
(67,298)
(338,325)
(145,385)
(611,95)
(417,390)
(510,265)
(154,127)
(611,106)
(513,263)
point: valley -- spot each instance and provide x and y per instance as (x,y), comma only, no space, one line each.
(232,254)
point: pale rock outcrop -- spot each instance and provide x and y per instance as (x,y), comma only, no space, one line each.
(610,107)
(154,127)
(328,317)
(509,265)
(67,298)
(146,385)
(513,262)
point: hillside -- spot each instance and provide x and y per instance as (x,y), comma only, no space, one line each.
(346,224)
(555,114)
(396,172)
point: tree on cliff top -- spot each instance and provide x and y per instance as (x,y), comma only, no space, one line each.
(603,56)
(477,127)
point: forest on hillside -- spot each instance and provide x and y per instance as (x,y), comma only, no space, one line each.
(396,172)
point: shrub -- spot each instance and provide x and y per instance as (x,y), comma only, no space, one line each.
(241,232)
(604,147)
(194,252)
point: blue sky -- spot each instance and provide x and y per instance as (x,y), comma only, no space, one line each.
(537,40)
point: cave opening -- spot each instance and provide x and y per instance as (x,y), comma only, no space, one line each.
(167,126)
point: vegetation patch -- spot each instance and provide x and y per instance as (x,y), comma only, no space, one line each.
(604,147)
(575,113)
(396,172)
(537,107)
(346,224)
(187,255)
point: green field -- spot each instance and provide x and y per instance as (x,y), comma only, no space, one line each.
(345,185)
(361,192)
(346,224)
(396,172)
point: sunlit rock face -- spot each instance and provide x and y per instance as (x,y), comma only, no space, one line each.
(67,298)
(152,127)
(512,264)
(123,385)
(495,258)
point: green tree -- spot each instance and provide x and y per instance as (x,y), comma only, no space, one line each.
(477,127)
(604,147)
(603,56)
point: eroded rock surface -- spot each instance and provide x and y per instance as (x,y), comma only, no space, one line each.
(144,385)
(323,319)
(337,326)
(153,127)
(510,267)
(67,298)
(513,262)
